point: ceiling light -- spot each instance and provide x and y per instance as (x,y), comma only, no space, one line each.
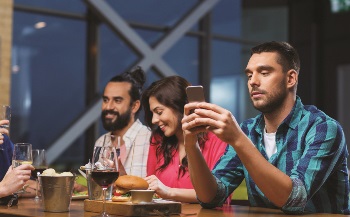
(40,25)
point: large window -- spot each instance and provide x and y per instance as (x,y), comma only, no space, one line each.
(48,67)
(50,47)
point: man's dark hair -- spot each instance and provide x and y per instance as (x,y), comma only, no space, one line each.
(288,56)
(137,78)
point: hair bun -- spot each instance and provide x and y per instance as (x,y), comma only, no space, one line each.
(138,75)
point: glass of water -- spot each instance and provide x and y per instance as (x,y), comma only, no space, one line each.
(5,114)
(22,154)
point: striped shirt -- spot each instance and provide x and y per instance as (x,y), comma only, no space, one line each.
(311,150)
(137,140)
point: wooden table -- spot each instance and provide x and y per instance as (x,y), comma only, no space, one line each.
(28,207)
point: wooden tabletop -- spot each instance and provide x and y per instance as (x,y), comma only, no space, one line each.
(28,207)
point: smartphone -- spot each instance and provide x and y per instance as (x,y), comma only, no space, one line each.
(195,93)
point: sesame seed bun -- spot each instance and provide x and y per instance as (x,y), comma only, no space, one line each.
(129,182)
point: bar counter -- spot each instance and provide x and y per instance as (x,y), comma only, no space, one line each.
(28,207)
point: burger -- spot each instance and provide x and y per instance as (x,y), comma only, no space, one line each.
(124,184)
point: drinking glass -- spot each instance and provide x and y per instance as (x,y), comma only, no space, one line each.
(112,140)
(105,168)
(5,114)
(22,154)
(39,163)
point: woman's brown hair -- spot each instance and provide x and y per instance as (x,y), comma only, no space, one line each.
(171,92)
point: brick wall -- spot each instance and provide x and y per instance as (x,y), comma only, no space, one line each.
(6,12)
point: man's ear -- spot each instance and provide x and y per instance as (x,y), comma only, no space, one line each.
(135,106)
(292,79)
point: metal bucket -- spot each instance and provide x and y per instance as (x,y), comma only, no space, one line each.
(95,191)
(56,192)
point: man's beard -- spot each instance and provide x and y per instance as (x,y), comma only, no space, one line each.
(273,101)
(120,122)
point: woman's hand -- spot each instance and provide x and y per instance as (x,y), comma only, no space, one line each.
(155,184)
(15,179)
(3,130)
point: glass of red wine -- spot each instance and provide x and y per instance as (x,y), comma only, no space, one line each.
(105,168)
(40,164)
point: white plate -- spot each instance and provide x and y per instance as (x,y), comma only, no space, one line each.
(80,197)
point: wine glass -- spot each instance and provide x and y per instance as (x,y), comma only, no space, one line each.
(22,154)
(105,168)
(112,140)
(39,163)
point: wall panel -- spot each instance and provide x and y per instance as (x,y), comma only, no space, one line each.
(6,10)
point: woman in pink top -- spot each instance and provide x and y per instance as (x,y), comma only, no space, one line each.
(167,166)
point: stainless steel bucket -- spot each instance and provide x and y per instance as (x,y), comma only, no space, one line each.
(56,192)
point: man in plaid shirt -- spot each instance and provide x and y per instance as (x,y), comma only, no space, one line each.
(293,157)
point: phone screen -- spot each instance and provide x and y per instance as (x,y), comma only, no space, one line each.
(195,94)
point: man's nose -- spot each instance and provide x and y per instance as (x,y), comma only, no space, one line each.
(109,105)
(254,80)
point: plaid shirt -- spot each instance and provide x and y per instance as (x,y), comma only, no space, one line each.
(311,150)
(137,140)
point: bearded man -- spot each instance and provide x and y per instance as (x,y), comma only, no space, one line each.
(120,107)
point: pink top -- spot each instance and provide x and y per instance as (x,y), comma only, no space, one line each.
(213,149)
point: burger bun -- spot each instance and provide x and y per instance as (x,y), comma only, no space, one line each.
(129,182)
(120,199)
